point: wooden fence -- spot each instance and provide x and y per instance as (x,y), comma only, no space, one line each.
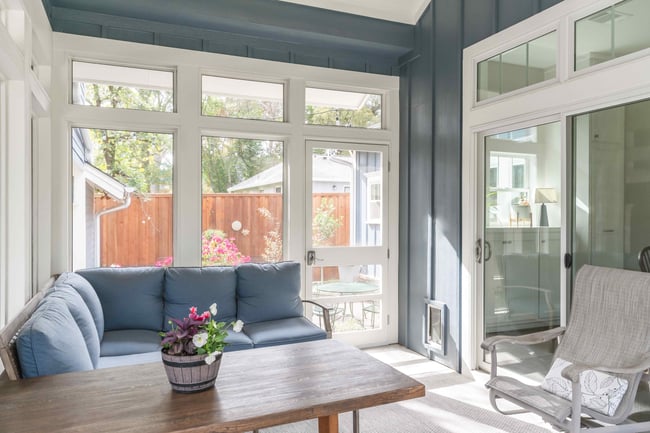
(142,233)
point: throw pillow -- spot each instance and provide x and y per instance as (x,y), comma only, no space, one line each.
(601,392)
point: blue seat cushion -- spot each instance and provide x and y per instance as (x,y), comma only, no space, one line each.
(129,342)
(268,291)
(81,315)
(132,298)
(283,331)
(237,341)
(50,342)
(87,292)
(122,360)
(200,287)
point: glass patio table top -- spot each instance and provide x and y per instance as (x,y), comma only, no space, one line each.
(346,288)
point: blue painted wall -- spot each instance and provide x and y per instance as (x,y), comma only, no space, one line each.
(430,160)
(262,29)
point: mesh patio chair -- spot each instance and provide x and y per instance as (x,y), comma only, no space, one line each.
(644,259)
(602,357)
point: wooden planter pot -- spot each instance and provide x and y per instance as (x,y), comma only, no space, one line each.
(189,374)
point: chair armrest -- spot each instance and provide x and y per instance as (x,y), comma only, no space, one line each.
(489,344)
(326,316)
(572,372)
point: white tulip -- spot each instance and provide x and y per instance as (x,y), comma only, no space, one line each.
(199,340)
(213,309)
(238,326)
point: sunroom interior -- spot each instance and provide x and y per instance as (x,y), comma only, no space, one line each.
(471,156)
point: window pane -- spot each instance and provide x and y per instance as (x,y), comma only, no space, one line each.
(527,64)
(338,108)
(242,201)
(242,99)
(593,39)
(346,198)
(122,212)
(513,69)
(122,87)
(631,27)
(489,78)
(541,58)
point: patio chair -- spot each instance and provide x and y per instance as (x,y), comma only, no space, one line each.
(644,259)
(599,362)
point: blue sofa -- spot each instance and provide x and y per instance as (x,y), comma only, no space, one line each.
(105,317)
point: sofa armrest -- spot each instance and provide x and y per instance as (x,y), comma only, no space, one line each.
(326,316)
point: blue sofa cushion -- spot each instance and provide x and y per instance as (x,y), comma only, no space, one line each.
(50,342)
(268,291)
(132,298)
(87,292)
(200,287)
(237,341)
(81,315)
(122,360)
(130,341)
(283,331)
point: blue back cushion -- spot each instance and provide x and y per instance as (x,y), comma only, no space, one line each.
(50,342)
(200,287)
(87,292)
(268,291)
(81,315)
(132,298)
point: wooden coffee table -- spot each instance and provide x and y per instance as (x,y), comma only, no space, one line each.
(255,389)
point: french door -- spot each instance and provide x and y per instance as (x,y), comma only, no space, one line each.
(347,239)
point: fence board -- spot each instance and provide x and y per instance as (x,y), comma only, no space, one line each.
(142,234)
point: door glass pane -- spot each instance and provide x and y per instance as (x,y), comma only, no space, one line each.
(612,178)
(122,211)
(351,293)
(122,87)
(541,58)
(489,78)
(242,201)
(522,238)
(347,198)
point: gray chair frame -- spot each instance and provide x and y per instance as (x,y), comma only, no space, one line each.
(608,331)
(644,259)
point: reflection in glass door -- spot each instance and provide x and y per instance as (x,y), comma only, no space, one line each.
(611,182)
(346,237)
(522,223)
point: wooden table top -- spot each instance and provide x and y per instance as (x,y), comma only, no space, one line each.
(255,389)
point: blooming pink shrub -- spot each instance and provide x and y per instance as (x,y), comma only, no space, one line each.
(217,249)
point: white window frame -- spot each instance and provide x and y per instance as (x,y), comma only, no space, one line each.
(616,82)
(189,125)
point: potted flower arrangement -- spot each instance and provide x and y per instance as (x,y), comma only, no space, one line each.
(195,342)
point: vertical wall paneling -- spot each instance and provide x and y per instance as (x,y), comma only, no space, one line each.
(430,245)
(447,177)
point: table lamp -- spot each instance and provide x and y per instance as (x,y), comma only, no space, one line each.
(543,196)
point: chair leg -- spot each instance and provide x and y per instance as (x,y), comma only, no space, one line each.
(355,421)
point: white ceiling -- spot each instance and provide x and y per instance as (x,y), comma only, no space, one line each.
(403,11)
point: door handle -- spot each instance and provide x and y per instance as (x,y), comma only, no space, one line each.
(311,257)
(488,251)
(478,251)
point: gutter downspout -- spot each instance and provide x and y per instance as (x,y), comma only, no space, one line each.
(119,207)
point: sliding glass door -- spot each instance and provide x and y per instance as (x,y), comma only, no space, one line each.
(611,186)
(522,218)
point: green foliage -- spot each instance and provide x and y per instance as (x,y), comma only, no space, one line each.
(228,161)
(242,108)
(142,160)
(325,224)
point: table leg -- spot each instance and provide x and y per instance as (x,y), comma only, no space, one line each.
(328,424)
(355,421)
